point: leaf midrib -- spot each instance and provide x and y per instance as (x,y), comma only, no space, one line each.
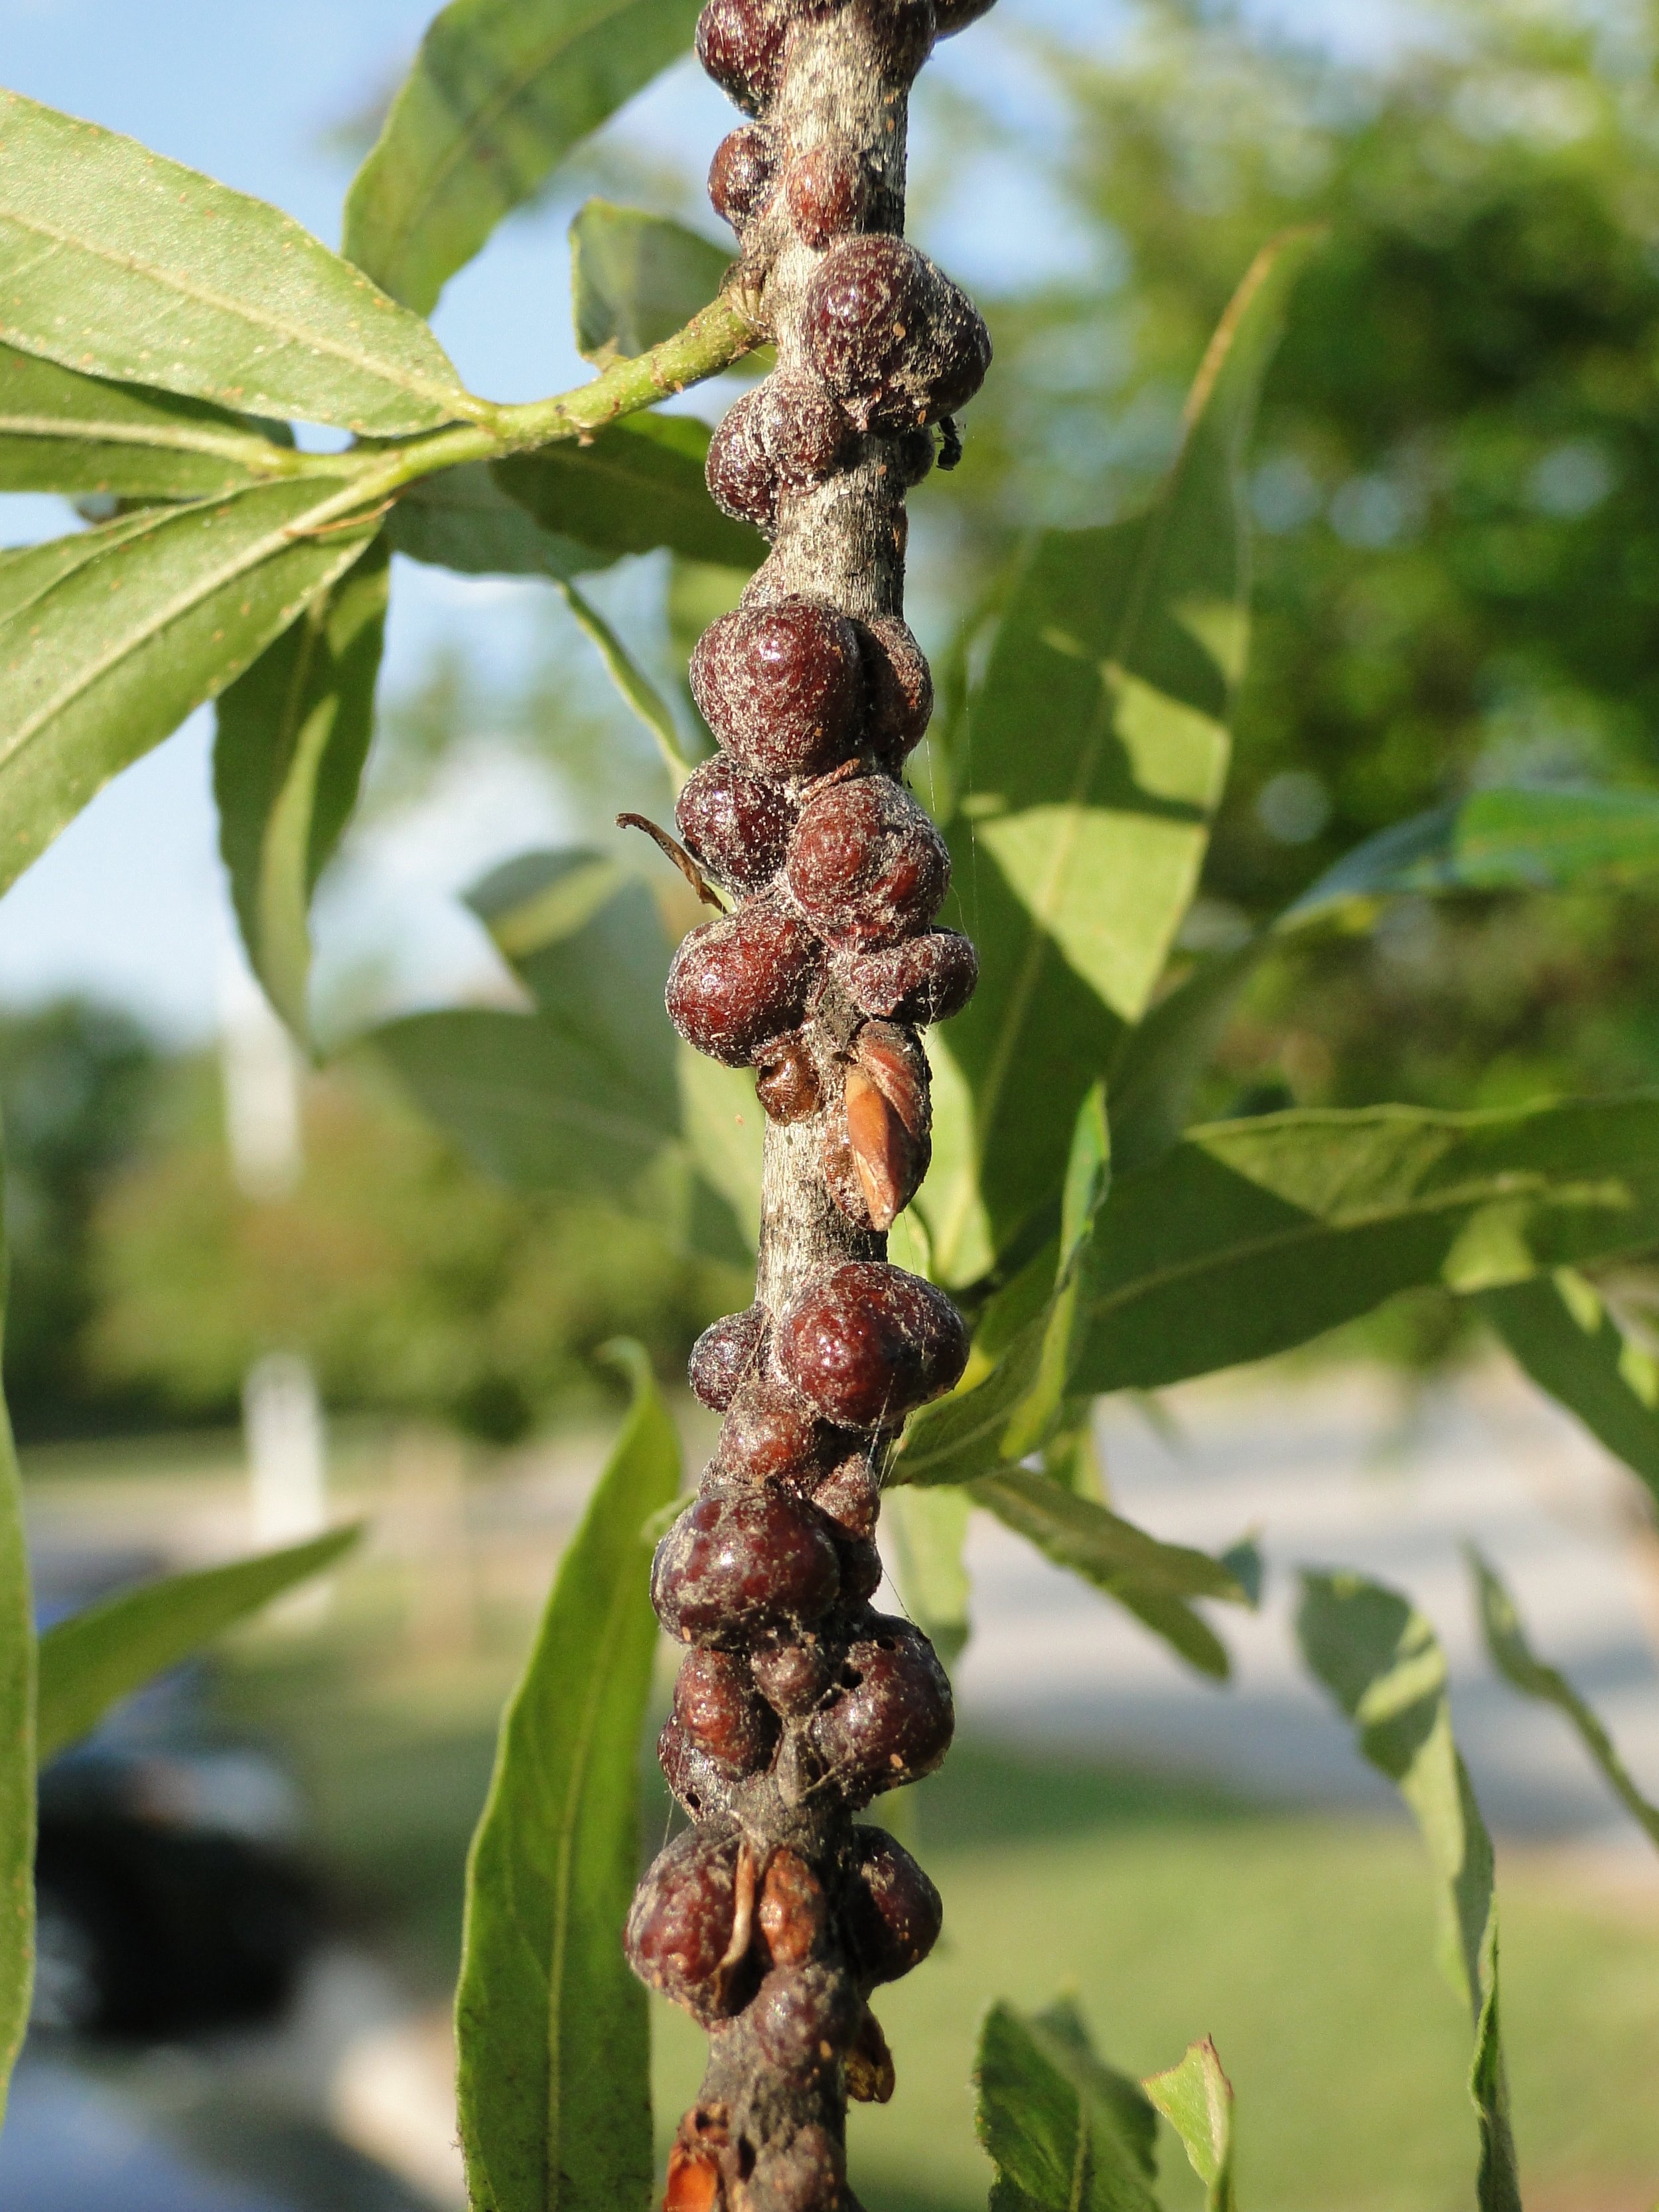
(598,1680)
(307,340)
(222,445)
(91,672)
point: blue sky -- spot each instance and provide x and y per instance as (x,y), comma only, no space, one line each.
(131,901)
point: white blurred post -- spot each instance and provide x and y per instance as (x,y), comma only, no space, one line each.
(281,1414)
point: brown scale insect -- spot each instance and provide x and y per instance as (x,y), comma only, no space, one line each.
(776,1916)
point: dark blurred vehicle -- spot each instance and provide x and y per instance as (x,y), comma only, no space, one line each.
(169,1898)
(173,1893)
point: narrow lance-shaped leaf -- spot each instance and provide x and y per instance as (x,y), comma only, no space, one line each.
(1382,1663)
(553,2031)
(63,432)
(1015,1394)
(634,487)
(1152,1580)
(1522,1668)
(636,278)
(1098,751)
(17,1758)
(108,639)
(1196,2098)
(501,91)
(1515,839)
(121,263)
(294,733)
(90,1662)
(927,1530)
(1254,1236)
(632,682)
(461,519)
(1504,839)
(1560,1331)
(580,1096)
(1064,2132)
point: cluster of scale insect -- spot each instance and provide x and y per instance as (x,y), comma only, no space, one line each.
(819,977)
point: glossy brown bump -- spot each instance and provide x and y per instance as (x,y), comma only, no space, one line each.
(926,979)
(770,1435)
(890,1717)
(740,45)
(742,173)
(792,1911)
(803,2019)
(866,1343)
(679,1928)
(735,822)
(866,866)
(825,189)
(740,1563)
(742,479)
(781,685)
(723,1715)
(788,1085)
(806,433)
(738,983)
(900,689)
(891,1912)
(696,1783)
(850,1495)
(724,1354)
(894,340)
(791,1676)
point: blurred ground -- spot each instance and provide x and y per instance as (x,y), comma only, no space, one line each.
(1187,1859)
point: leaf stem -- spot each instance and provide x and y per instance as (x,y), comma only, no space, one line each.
(715,337)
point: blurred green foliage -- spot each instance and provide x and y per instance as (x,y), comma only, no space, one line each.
(75,1083)
(412,1283)
(1456,484)
(143,1283)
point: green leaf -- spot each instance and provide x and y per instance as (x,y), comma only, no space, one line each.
(90,1662)
(529,1100)
(631,680)
(461,519)
(633,487)
(17,1762)
(1382,1663)
(121,264)
(1196,2098)
(65,433)
(1518,838)
(1154,1580)
(1157,1070)
(294,733)
(1520,1666)
(1065,2132)
(583,937)
(501,91)
(928,1530)
(109,639)
(1254,1236)
(635,279)
(553,2030)
(1560,1331)
(725,1127)
(1099,746)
